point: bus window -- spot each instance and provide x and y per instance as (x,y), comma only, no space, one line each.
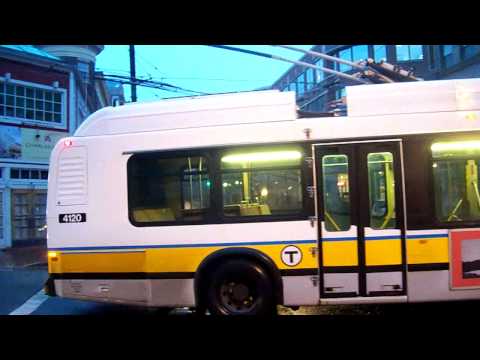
(171,189)
(381,188)
(262,181)
(336,194)
(455,177)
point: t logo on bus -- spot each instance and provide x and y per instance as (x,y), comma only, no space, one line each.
(291,255)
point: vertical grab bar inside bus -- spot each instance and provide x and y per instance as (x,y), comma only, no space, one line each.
(200,181)
(191,181)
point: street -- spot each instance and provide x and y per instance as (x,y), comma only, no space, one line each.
(22,294)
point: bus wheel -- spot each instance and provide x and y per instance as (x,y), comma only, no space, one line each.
(240,287)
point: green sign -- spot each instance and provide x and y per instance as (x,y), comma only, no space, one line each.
(27,144)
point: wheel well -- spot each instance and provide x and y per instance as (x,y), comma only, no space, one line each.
(215,259)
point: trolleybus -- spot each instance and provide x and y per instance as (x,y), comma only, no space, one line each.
(236,203)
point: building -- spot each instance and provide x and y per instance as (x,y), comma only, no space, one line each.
(115,90)
(318,91)
(45,94)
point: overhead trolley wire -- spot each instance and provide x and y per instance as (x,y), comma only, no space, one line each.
(297,62)
(150,83)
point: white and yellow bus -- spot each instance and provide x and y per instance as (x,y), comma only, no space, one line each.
(236,203)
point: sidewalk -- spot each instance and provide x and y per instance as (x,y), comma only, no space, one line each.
(21,257)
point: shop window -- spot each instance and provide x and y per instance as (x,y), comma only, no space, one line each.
(28,215)
(262,181)
(409,52)
(168,189)
(21,102)
(455,174)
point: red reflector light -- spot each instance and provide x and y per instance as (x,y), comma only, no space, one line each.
(68,142)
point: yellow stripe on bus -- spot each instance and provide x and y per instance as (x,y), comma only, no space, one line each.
(428,250)
(383,252)
(340,253)
(184,259)
(181,259)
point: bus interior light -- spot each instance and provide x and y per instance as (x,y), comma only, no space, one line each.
(458,145)
(262,156)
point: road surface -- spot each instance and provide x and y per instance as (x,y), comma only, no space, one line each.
(22,294)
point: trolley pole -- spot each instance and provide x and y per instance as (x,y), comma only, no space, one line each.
(132,72)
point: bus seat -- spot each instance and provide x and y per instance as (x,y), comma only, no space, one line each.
(150,215)
(254,209)
(249,210)
(265,210)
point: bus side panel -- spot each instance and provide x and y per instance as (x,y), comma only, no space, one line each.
(430,268)
(168,274)
(426,286)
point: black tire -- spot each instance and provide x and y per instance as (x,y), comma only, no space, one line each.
(240,287)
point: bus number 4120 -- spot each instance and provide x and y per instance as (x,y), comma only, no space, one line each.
(72,218)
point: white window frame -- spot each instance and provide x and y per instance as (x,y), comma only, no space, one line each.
(24,183)
(28,168)
(45,124)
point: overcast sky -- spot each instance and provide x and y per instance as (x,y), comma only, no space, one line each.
(196,67)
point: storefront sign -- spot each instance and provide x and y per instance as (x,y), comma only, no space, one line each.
(27,144)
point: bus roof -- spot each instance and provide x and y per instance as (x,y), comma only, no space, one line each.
(191,112)
(413,97)
(274,106)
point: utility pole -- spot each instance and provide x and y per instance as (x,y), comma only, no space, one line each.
(132,72)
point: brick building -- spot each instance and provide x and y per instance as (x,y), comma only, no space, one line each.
(45,94)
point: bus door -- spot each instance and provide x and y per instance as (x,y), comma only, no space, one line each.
(360,209)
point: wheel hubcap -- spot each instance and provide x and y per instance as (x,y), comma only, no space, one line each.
(237,297)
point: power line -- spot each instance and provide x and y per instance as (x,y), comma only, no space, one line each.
(156,83)
(302,63)
(209,79)
(149,63)
(147,83)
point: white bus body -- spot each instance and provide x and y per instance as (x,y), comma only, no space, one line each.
(97,253)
